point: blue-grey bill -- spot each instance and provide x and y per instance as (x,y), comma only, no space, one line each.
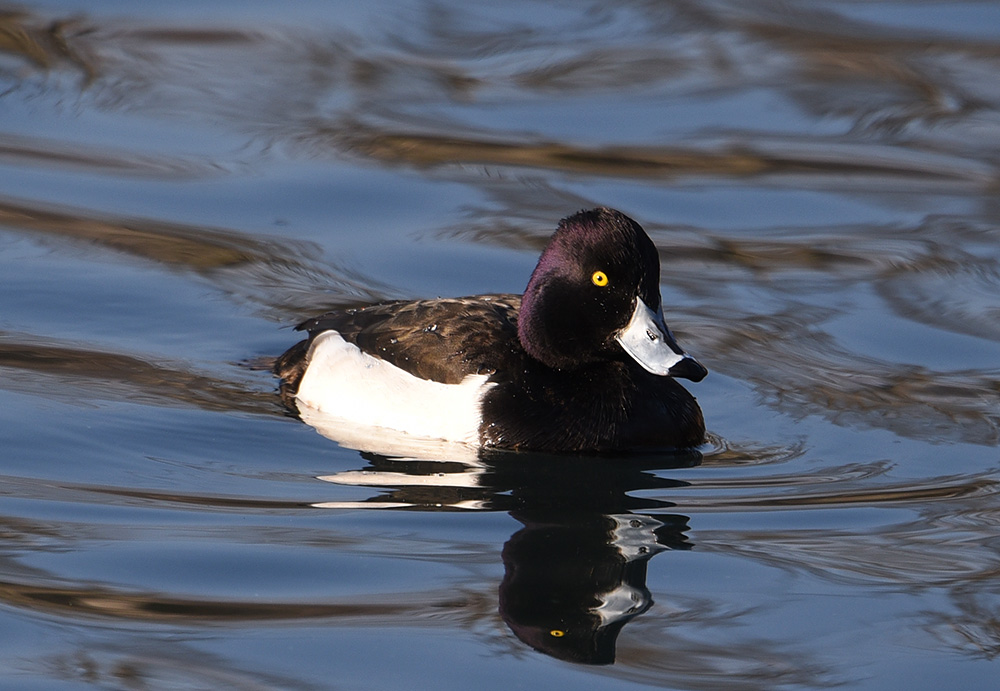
(648,340)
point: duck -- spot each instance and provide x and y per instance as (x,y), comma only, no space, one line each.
(582,361)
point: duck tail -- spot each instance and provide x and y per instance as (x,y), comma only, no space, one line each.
(290,368)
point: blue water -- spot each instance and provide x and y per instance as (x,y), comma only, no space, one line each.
(180,183)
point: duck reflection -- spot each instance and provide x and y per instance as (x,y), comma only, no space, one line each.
(572,581)
(575,573)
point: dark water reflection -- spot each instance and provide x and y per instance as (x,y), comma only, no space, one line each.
(180,183)
(575,573)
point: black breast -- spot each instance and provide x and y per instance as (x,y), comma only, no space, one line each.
(606,406)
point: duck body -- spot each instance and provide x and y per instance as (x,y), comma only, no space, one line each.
(581,362)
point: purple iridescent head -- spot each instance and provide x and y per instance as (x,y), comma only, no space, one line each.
(595,294)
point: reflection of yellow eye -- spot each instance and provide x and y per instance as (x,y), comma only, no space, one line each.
(556,633)
(599,278)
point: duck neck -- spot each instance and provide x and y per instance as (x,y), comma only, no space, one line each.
(550,328)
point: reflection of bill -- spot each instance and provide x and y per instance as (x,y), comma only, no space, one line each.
(572,581)
(575,574)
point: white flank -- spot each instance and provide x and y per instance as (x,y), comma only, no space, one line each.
(344,383)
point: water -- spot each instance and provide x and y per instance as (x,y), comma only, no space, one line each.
(181,182)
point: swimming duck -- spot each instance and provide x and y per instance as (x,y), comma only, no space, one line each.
(582,361)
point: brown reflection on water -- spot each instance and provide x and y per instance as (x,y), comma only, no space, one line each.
(974,630)
(116,376)
(153,607)
(911,492)
(886,79)
(46,44)
(57,154)
(142,68)
(197,249)
(651,162)
(107,495)
(283,277)
(739,665)
(801,369)
(699,664)
(159,663)
(950,547)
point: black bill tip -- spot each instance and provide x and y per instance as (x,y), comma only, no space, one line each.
(688,368)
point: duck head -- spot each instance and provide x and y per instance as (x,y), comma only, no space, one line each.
(595,293)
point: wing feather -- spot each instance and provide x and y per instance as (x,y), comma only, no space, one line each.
(442,340)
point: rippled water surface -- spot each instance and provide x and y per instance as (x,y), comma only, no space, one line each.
(181,182)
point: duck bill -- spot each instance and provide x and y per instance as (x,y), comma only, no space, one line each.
(649,342)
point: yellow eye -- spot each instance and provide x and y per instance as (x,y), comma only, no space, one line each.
(599,278)
(556,633)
